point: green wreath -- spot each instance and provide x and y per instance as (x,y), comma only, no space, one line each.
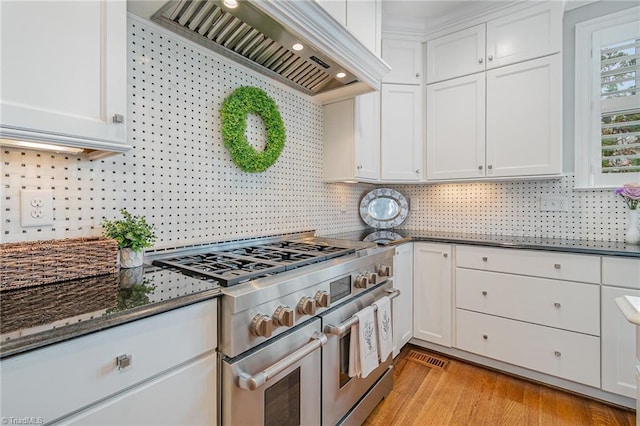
(234,111)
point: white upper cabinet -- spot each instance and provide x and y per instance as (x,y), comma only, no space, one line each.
(456,54)
(351,149)
(405,59)
(362,18)
(456,128)
(528,34)
(402,155)
(524,129)
(336,8)
(64,79)
(519,36)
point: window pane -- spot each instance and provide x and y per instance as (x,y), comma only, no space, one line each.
(621,142)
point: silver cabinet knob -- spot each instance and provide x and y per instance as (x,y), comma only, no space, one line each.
(283,316)
(557,305)
(123,361)
(557,266)
(445,254)
(417,75)
(361,281)
(323,299)
(485,258)
(417,171)
(262,325)
(118,118)
(384,271)
(480,60)
(307,306)
(485,337)
(359,167)
(479,167)
(372,277)
(558,354)
(484,292)
(490,57)
(489,167)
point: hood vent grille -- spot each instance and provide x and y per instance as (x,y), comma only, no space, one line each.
(252,38)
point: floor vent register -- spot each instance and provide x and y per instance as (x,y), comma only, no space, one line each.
(427,359)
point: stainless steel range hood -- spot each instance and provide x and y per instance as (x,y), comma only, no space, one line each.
(261,34)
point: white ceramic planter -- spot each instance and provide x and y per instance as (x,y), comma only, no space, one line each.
(633,234)
(130,258)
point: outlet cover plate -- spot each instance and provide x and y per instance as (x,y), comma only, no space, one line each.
(553,203)
(36,208)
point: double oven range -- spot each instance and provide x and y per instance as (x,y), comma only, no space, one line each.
(286,313)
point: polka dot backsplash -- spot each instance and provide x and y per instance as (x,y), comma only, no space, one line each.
(513,208)
(179,174)
(181,177)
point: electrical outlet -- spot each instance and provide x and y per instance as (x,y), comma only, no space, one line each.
(414,204)
(36,208)
(550,203)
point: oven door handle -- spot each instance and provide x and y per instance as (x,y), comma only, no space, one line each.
(342,328)
(246,381)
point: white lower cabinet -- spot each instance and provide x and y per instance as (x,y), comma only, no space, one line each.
(403,304)
(184,396)
(618,345)
(432,293)
(561,353)
(55,381)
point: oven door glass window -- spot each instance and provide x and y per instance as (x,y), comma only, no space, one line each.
(282,401)
(345,343)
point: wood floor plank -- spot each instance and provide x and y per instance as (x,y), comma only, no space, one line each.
(467,394)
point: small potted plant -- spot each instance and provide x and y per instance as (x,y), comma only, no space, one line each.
(133,234)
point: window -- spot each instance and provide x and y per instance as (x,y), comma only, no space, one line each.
(608,100)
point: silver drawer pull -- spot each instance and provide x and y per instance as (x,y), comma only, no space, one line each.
(342,328)
(246,381)
(557,305)
(485,258)
(558,353)
(123,361)
(485,337)
(484,293)
(445,254)
(557,266)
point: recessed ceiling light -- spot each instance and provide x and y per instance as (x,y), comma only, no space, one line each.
(297,47)
(231,4)
(341,75)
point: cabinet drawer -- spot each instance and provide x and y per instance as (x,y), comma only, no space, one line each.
(562,304)
(571,356)
(621,272)
(561,266)
(85,367)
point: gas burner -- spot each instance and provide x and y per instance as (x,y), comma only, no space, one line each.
(318,249)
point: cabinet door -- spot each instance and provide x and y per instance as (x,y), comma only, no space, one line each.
(336,8)
(524,130)
(338,146)
(618,345)
(405,59)
(528,34)
(403,304)
(184,396)
(432,293)
(456,128)
(364,21)
(456,54)
(64,79)
(402,155)
(367,136)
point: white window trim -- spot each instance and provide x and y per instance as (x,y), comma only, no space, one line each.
(586,145)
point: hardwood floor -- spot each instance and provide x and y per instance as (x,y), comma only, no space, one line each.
(465,394)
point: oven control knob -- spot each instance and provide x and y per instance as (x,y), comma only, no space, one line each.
(362,281)
(307,306)
(323,299)
(372,277)
(262,325)
(384,271)
(283,316)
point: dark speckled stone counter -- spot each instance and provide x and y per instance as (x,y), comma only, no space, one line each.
(37,316)
(603,248)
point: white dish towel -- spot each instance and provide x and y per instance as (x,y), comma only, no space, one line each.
(363,349)
(385,329)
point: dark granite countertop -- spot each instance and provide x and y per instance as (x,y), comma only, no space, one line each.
(603,248)
(37,316)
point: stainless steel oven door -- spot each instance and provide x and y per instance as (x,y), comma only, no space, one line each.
(341,393)
(277,384)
